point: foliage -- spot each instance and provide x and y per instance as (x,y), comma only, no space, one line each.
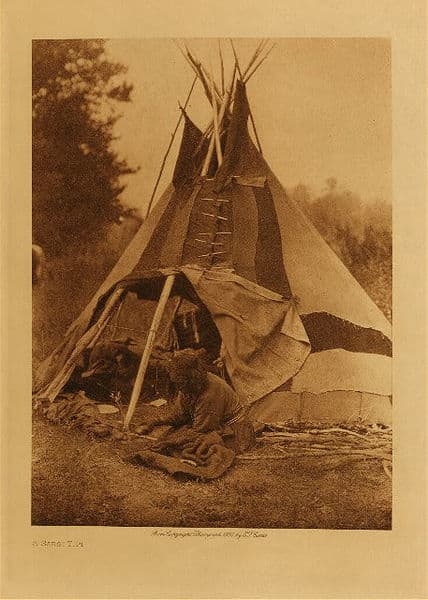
(69,283)
(77,175)
(360,234)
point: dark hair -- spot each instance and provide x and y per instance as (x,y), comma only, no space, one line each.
(189,373)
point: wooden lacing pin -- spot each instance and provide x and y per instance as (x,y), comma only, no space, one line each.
(215,216)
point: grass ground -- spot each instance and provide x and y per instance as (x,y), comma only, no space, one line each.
(81,481)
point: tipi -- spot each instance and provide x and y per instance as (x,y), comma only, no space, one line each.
(299,337)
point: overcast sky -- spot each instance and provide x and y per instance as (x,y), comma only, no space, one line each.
(322,108)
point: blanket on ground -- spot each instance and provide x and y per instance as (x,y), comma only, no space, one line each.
(74,410)
(187,452)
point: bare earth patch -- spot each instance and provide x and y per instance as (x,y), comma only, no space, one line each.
(81,481)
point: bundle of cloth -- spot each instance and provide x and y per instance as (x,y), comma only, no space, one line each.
(208,423)
(110,368)
(76,410)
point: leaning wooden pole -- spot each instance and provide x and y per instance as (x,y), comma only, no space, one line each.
(254,58)
(199,70)
(216,124)
(204,75)
(187,59)
(249,109)
(220,55)
(223,109)
(157,317)
(171,141)
(255,68)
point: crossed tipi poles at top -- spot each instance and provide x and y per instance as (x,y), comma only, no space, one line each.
(219,96)
(221,99)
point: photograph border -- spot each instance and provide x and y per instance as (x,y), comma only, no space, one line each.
(130,562)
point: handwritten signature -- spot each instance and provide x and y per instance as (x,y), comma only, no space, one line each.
(178,533)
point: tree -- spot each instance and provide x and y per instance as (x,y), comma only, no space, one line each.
(77,175)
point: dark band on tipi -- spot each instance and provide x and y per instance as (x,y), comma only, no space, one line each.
(236,138)
(269,264)
(184,173)
(187,162)
(151,256)
(326,332)
(239,217)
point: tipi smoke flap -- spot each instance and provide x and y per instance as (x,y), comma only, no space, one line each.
(290,316)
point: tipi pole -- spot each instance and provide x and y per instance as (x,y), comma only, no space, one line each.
(216,124)
(208,157)
(223,109)
(249,109)
(236,59)
(248,77)
(199,70)
(221,68)
(169,147)
(116,323)
(157,317)
(105,316)
(192,66)
(204,75)
(254,58)
(217,93)
(88,340)
(209,127)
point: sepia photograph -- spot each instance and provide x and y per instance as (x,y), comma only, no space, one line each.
(212,283)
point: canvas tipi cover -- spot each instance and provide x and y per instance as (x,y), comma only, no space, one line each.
(290,315)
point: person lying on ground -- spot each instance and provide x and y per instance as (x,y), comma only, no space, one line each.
(204,401)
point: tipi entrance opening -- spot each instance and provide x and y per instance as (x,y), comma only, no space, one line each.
(225,247)
(184,324)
